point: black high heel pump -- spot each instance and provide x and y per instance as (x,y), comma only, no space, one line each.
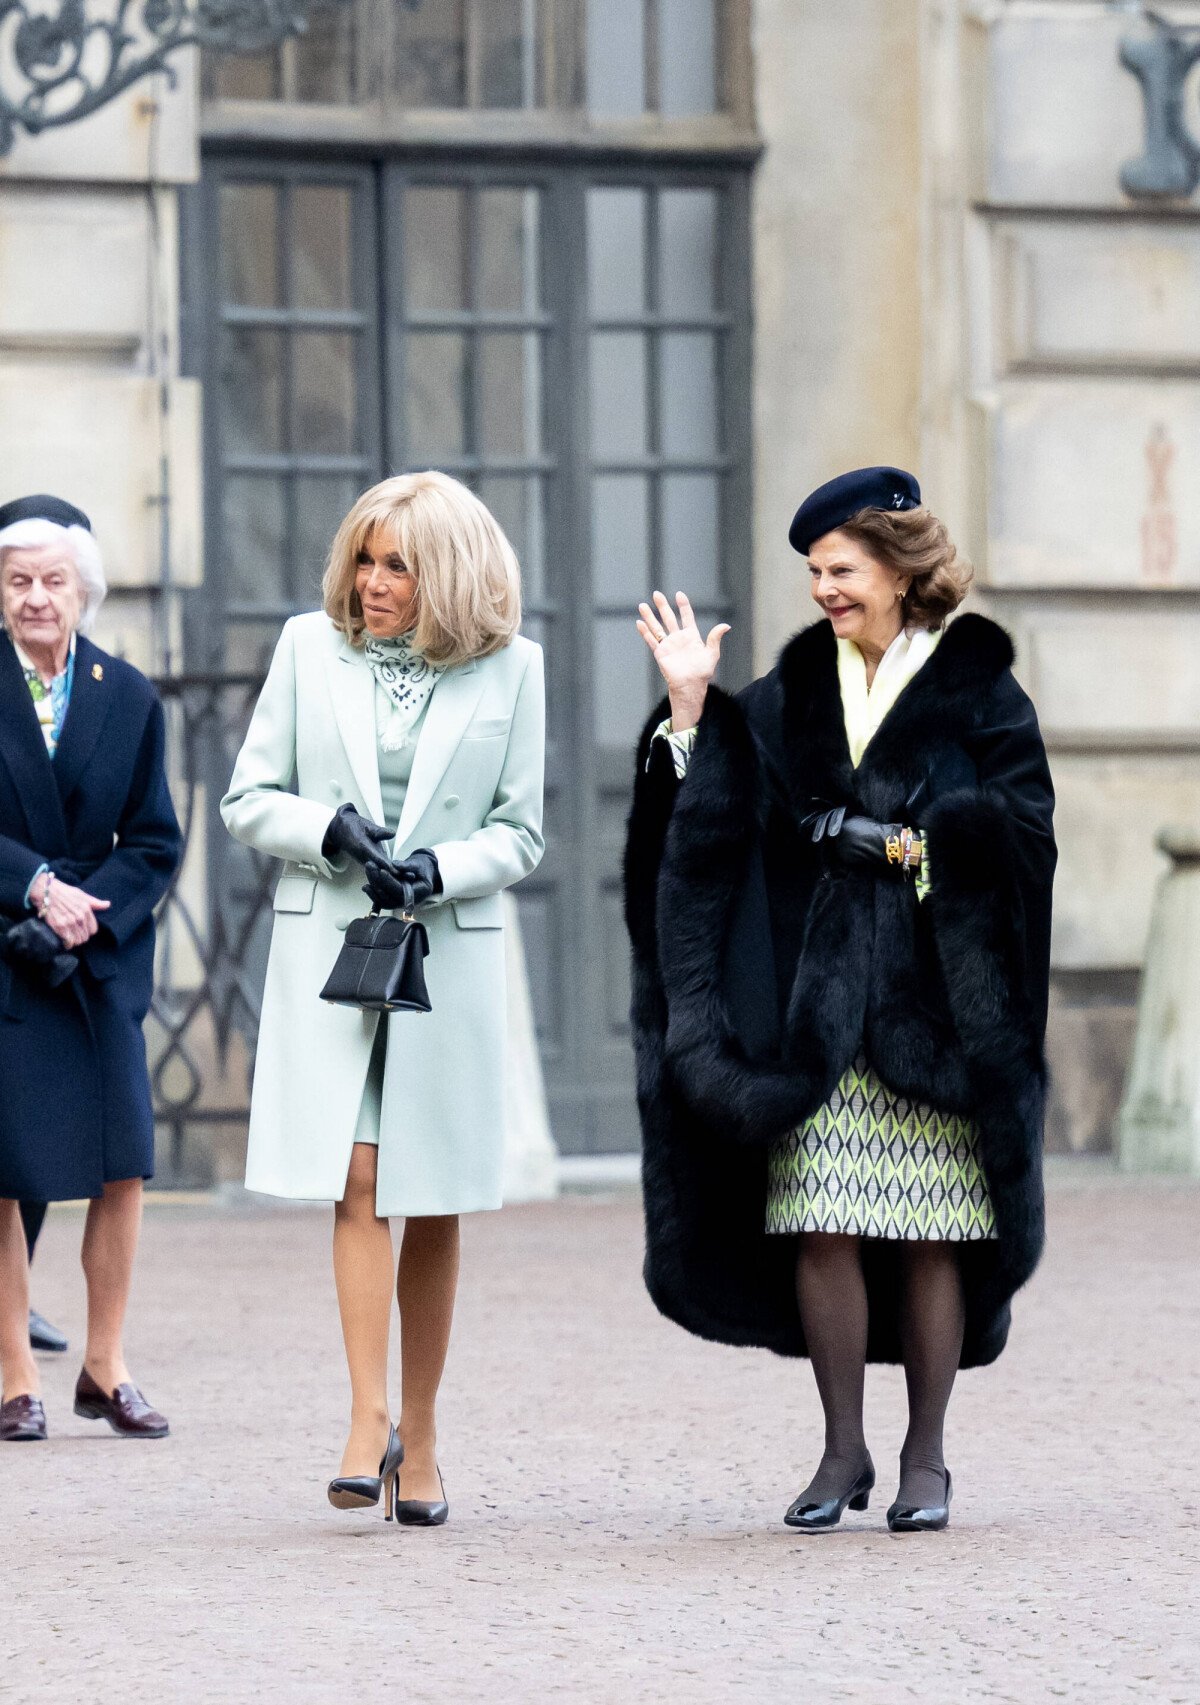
(416,1512)
(360,1491)
(906,1518)
(812,1517)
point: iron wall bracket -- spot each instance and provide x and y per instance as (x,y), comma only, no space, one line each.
(57,67)
(1169,165)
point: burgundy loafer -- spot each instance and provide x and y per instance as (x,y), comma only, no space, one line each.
(125,1409)
(22,1419)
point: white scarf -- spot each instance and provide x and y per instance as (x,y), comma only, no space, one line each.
(407,678)
(863,707)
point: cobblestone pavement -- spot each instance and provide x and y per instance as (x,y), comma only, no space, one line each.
(615,1489)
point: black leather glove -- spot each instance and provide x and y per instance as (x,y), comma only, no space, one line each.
(355,835)
(403,886)
(34,946)
(855,843)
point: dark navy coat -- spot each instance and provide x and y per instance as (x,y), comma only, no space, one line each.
(75,1107)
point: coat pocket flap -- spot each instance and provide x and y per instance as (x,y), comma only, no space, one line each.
(295,893)
(487,727)
(487,913)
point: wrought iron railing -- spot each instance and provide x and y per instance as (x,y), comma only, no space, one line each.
(213,922)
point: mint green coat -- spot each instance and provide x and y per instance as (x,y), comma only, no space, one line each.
(475,797)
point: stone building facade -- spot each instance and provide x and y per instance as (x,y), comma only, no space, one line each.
(673,262)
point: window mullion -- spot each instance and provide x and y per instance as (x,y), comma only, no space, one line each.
(652,48)
(473,54)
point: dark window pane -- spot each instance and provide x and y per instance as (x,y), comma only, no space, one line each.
(249,646)
(688,394)
(323,57)
(616,57)
(687,224)
(561,53)
(618,392)
(320,505)
(616,253)
(321,246)
(621,682)
(324,393)
(430,60)
(434,391)
(251,391)
(243,76)
(691,534)
(254,540)
(506,55)
(518,506)
(620,538)
(508,249)
(435,256)
(249,238)
(687,57)
(510,395)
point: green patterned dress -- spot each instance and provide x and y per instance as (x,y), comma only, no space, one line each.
(877,1164)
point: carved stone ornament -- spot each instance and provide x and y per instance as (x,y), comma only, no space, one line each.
(59,64)
(1169,166)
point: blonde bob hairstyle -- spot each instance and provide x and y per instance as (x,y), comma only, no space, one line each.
(914,543)
(468,593)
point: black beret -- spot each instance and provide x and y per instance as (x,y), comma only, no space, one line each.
(43,508)
(833,503)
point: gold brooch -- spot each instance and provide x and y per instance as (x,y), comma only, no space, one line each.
(97,671)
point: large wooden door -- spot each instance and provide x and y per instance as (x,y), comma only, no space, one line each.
(572,342)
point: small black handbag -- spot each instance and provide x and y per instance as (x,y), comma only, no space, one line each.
(381,967)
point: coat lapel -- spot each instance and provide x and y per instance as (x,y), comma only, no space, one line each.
(87,713)
(451,706)
(352,689)
(23,750)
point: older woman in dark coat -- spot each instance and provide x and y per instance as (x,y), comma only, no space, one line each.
(838,891)
(88,845)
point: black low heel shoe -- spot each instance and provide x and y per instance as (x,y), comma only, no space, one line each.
(415,1512)
(903,1518)
(812,1517)
(360,1491)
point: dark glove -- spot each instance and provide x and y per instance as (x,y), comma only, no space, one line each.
(403,886)
(34,946)
(355,835)
(855,843)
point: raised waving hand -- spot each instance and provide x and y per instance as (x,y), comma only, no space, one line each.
(686,660)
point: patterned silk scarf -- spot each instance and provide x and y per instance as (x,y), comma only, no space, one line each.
(49,702)
(407,678)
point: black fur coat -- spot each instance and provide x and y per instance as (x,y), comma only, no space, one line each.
(757,975)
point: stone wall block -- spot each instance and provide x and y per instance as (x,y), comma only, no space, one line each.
(149,132)
(97,438)
(73,274)
(1096,294)
(1088,1044)
(1092,483)
(1109,809)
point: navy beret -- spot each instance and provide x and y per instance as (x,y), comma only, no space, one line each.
(43,508)
(832,504)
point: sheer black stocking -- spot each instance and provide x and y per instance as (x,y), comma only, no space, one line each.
(932,1321)
(832,1295)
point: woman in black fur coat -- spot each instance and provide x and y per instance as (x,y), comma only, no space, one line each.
(838,891)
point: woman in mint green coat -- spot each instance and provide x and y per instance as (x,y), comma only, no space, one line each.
(399,740)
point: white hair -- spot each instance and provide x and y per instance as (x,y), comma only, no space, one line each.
(28,535)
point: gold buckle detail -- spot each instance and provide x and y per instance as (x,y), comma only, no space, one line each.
(895,852)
